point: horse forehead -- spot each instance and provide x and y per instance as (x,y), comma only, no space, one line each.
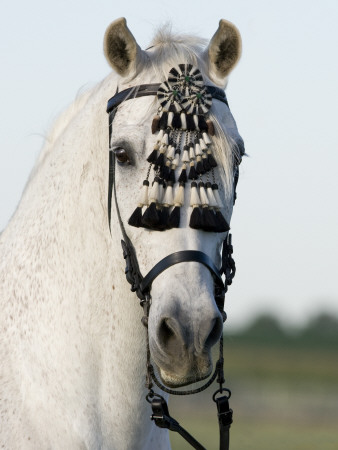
(137,109)
(130,132)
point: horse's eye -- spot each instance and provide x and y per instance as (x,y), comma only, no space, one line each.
(122,156)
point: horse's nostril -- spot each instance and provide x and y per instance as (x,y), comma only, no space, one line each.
(169,339)
(215,333)
(166,331)
(174,338)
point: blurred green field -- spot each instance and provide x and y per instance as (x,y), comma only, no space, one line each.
(284,396)
(261,435)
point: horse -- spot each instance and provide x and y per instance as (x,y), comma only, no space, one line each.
(73,346)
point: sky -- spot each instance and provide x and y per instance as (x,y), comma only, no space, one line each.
(283,95)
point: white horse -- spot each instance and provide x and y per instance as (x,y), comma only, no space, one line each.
(73,348)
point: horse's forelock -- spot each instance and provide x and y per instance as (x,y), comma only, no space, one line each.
(168,49)
(165,36)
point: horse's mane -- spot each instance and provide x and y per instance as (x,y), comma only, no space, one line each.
(65,117)
(63,121)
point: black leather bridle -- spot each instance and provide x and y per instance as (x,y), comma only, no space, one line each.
(141,285)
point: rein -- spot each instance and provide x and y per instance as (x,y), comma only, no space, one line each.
(141,285)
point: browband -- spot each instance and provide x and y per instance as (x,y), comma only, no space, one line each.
(151,89)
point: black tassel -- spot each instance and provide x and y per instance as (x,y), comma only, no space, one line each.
(164,217)
(172,176)
(176,123)
(212,160)
(221,224)
(192,173)
(206,164)
(135,220)
(164,121)
(161,182)
(196,219)
(174,218)
(152,157)
(183,177)
(209,222)
(150,218)
(190,122)
(202,125)
(200,168)
(165,171)
(160,160)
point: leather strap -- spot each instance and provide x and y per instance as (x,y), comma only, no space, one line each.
(163,419)
(132,270)
(180,257)
(151,89)
(224,421)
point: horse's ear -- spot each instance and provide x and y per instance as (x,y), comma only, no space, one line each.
(224,51)
(121,49)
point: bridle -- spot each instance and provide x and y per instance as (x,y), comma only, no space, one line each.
(141,285)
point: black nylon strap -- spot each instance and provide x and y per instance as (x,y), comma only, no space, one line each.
(180,257)
(151,89)
(162,419)
(224,421)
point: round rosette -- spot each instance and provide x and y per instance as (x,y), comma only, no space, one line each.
(184,91)
(198,102)
(169,97)
(185,77)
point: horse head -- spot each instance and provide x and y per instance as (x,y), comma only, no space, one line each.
(172,148)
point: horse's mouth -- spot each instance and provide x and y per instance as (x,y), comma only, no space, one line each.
(175,373)
(171,380)
(182,366)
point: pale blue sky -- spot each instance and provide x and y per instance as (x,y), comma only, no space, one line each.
(284,98)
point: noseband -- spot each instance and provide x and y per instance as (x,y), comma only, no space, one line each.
(141,285)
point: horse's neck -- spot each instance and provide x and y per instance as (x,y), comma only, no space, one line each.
(78,331)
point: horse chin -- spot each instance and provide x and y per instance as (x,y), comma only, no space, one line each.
(185,374)
(171,380)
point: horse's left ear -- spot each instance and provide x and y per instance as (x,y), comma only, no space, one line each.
(224,51)
(121,49)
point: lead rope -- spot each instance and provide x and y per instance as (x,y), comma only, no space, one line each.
(159,406)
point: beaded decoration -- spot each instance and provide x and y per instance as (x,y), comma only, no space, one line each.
(182,153)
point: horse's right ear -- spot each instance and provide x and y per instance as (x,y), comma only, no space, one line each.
(121,49)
